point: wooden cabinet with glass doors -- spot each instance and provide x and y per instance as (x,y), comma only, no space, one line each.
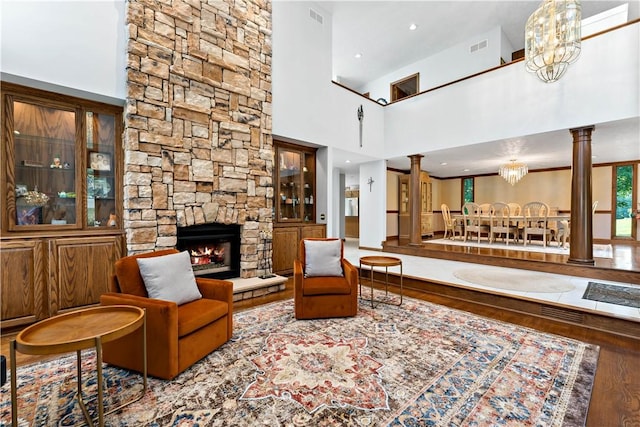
(426,208)
(404,211)
(60,175)
(294,193)
(295,183)
(404,205)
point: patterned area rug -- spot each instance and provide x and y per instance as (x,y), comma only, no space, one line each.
(515,280)
(620,295)
(419,364)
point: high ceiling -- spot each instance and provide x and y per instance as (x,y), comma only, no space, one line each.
(379,30)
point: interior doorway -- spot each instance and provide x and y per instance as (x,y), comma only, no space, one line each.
(625,190)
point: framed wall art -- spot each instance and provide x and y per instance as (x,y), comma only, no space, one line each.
(100,161)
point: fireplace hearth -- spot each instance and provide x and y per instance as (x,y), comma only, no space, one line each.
(214,249)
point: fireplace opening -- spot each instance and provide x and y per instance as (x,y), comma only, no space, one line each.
(214,249)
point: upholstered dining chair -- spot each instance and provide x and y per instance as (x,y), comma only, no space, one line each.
(178,333)
(325,284)
(473,222)
(501,222)
(450,224)
(535,222)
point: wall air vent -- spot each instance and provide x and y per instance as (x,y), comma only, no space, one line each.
(478,46)
(316,16)
(565,315)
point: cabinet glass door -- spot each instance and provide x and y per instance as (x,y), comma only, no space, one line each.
(423,197)
(404,197)
(290,182)
(44,165)
(101,200)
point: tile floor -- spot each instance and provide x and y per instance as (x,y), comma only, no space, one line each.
(442,270)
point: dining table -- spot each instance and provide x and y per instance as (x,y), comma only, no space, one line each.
(520,219)
(516,218)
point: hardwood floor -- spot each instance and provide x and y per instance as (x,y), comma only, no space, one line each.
(615,399)
(624,266)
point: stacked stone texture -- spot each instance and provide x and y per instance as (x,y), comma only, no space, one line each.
(198,145)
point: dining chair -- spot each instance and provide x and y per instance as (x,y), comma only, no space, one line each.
(535,222)
(501,222)
(473,222)
(450,224)
(514,209)
(485,209)
(564,227)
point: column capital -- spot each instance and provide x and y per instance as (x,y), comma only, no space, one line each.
(415,158)
(590,128)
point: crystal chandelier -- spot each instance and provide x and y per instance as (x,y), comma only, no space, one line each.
(513,172)
(552,38)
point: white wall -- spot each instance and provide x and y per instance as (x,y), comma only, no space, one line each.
(80,45)
(324,179)
(506,49)
(307,106)
(446,66)
(373,204)
(601,86)
(605,20)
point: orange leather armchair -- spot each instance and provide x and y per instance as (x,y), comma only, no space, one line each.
(177,336)
(324,296)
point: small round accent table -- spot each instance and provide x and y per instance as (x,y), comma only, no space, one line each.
(77,331)
(381,261)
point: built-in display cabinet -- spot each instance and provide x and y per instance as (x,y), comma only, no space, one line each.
(295,214)
(61,226)
(295,184)
(404,204)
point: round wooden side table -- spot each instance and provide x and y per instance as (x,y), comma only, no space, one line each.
(77,331)
(381,261)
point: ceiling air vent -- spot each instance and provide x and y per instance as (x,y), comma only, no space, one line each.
(316,16)
(478,46)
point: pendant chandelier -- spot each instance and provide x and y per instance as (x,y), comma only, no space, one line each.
(513,172)
(552,38)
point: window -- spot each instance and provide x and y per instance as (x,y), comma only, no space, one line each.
(467,190)
(623,201)
(405,87)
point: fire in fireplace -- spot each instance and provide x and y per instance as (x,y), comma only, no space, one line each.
(214,249)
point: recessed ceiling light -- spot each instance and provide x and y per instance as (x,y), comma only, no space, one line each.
(413,27)
(347,161)
(466,170)
(443,164)
(357,55)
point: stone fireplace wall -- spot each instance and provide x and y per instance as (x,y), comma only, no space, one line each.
(198,145)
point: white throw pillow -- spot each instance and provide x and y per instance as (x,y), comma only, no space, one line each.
(322,258)
(170,278)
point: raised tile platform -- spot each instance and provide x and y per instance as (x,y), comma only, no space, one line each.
(256,287)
